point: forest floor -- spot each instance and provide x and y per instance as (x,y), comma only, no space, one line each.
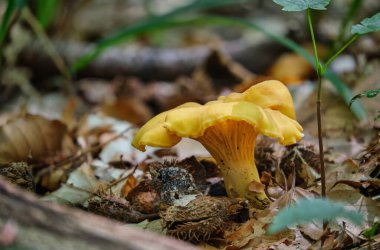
(67,138)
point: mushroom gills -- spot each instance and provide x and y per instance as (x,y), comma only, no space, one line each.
(232,144)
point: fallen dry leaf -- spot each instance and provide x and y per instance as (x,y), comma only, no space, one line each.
(369,159)
(129,109)
(256,187)
(244,233)
(368,188)
(347,170)
(286,199)
(287,240)
(115,136)
(312,230)
(129,184)
(80,186)
(68,114)
(302,160)
(338,120)
(219,71)
(31,138)
(290,68)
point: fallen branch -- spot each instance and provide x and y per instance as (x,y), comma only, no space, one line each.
(146,63)
(41,225)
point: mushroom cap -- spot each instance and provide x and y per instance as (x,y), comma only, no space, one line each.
(270,94)
(268,106)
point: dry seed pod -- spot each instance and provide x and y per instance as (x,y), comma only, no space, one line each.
(117,209)
(203,217)
(172,182)
(145,198)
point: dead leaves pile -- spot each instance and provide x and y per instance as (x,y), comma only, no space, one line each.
(90,163)
(94,167)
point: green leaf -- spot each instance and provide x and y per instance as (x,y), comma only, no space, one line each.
(300,5)
(12,7)
(46,11)
(368,93)
(308,210)
(371,24)
(372,231)
(378,116)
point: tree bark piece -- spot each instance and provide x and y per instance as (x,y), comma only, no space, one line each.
(50,226)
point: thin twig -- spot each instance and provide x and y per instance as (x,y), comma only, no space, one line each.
(125,177)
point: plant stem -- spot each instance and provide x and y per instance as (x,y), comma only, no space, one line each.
(320,139)
(348,43)
(319,90)
(320,73)
(317,64)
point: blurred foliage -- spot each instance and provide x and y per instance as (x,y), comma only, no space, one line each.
(372,231)
(308,210)
(371,24)
(46,11)
(152,23)
(12,7)
(300,5)
(187,15)
(368,94)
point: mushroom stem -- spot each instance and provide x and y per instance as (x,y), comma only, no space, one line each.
(232,143)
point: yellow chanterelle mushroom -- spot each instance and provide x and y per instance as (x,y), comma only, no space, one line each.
(228,128)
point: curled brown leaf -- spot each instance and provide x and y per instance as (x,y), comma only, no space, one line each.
(31,138)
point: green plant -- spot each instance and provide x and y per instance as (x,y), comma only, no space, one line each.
(45,11)
(20,10)
(11,13)
(369,94)
(308,210)
(366,26)
(372,231)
